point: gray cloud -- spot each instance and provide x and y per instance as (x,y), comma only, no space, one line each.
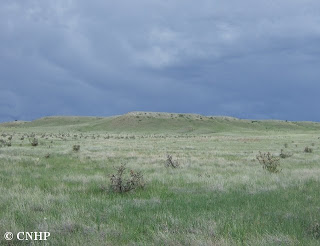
(252,59)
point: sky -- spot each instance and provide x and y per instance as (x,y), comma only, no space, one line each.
(255,59)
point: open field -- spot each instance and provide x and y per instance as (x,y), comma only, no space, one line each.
(219,194)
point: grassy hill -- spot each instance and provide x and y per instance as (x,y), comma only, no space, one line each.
(150,122)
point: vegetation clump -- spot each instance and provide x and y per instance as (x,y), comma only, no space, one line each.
(284,155)
(34,141)
(76,148)
(308,150)
(5,143)
(171,163)
(315,230)
(120,182)
(269,162)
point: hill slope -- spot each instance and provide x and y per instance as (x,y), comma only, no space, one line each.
(149,122)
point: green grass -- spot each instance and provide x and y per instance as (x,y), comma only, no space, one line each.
(219,195)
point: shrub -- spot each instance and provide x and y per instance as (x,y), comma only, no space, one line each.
(5,143)
(76,148)
(34,141)
(284,155)
(171,163)
(120,182)
(269,162)
(308,150)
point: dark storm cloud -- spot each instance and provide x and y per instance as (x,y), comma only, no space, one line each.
(252,59)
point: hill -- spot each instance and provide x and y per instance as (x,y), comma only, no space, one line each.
(152,122)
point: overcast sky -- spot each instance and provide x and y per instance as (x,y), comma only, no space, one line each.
(256,59)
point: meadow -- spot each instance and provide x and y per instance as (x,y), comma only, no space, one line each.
(219,194)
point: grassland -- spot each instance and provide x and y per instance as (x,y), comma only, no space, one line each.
(219,194)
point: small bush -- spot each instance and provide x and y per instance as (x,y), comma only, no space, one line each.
(34,141)
(120,182)
(284,155)
(76,148)
(269,162)
(5,143)
(308,150)
(171,163)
